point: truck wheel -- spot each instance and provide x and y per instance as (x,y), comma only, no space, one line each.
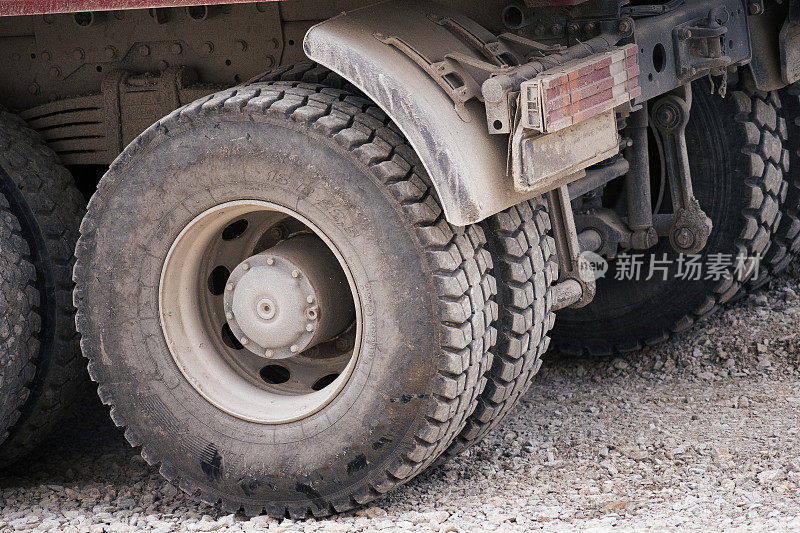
(43,197)
(786,239)
(273,304)
(785,236)
(525,267)
(19,322)
(735,155)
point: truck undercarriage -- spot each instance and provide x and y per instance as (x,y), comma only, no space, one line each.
(371,241)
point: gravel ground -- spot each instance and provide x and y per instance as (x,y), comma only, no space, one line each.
(699,433)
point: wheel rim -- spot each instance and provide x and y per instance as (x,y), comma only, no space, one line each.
(260,311)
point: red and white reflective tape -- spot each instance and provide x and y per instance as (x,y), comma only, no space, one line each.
(580,89)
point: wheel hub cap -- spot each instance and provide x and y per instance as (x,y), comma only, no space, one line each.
(273,299)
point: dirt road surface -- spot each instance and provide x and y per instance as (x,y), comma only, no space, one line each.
(701,432)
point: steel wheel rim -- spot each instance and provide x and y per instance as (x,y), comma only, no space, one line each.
(193,320)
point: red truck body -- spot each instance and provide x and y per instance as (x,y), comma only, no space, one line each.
(34,7)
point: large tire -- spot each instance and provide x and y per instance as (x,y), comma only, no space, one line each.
(19,321)
(786,239)
(525,267)
(427,323)
(736,159)
(43,197)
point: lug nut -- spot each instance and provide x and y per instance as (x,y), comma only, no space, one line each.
(268,353)
(245,267)
(244,340)
(229,315)
(270,261)
(295,273)
(311,314)
(294,348)
(310,299)
(310,327)
(229,287)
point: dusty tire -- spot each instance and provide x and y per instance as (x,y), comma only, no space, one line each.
(786,239)
(19,322)
(525,267)
(43,197)
(425,288)
(736,158)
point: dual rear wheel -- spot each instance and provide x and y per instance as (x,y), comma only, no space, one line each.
(273,304)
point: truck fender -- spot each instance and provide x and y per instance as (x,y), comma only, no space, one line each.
(467,165)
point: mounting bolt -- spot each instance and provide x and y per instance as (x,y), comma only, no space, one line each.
(229,315)
(229,287)
(309,327)
(244,340)
(176,48)
(755,8)
(624,26)
(342,344)
(590,28)
(295,273)
(684,238)
(245,267)
(144,50)
(310,299)
(270,261)
(55,72)
(294,348)
(110,52)
(78,54)
(268,353)
(556,29)
(573,28)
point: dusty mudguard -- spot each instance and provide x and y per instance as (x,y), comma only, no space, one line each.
(466,164)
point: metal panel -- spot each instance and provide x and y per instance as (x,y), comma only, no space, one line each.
(465,163)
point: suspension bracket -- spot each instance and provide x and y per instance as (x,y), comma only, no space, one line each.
(576,284)
(691,227)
